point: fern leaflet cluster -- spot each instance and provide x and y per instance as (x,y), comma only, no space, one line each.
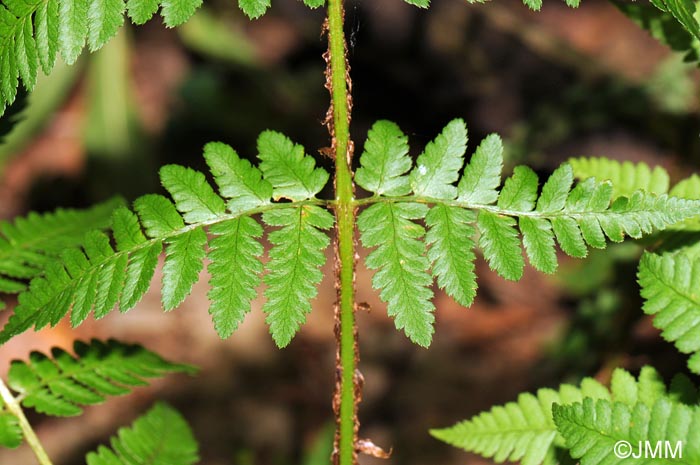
(102,274)
(536,427)
(33,33)
(669,275)
(28,244)
(61,384)
(464,208)
(160,437)
(10,431)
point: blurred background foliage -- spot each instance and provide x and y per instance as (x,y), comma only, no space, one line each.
(556,84)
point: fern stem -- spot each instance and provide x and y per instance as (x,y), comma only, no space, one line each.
(347,389)
(29,434)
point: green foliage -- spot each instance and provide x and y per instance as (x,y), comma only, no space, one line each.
(60,384)
(401,264)
(527,431)
(670,22)
(579,217)
(28,244)
(10,432)
(626,177)
(296,257)
(34,32)
(101,275)
(160,437)
(592,429)
(669,286)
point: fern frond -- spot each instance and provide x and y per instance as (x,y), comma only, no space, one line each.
(103,274)
(401,265)
(626,177)
(159,437)
(662,26)
(592,429)
(10,432)
(60,384)
(669,286)
(34,32)
(525,430)
(296,257)
(517,431)
(28,244)
(575,216)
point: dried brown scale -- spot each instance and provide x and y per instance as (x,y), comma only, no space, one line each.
(367,447)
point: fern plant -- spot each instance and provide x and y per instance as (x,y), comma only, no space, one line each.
(423,220)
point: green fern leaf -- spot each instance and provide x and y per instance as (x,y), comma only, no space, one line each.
(538,240)
(437,168)
(500,244)
(626,177)
(295,259)
(385,161)
(235,270)
(419,3)
(482,175)
(292,173)
(46,29)
(401,265)
(688,188)
(28,244)
(592,429)
(176,12)
(669,285)
(27,57)
(449,235)
(183,262)
(525,430)
(141,11)
(59,385)
(237,179)
(10,431)
(105,17)
(314,3)
(518,431)
(73,28)
(556,190)
(193,195)
(519,192)
(161,436)
(32,32)
(254,8)
(97,277)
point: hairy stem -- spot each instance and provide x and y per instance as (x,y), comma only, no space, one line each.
(29,434)
(347,388)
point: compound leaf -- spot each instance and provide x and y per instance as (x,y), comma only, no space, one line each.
(160,437)
(61,384)
(626,177)
(669,286)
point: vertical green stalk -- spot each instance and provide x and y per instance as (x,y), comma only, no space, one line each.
(346,395)
(15,409)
